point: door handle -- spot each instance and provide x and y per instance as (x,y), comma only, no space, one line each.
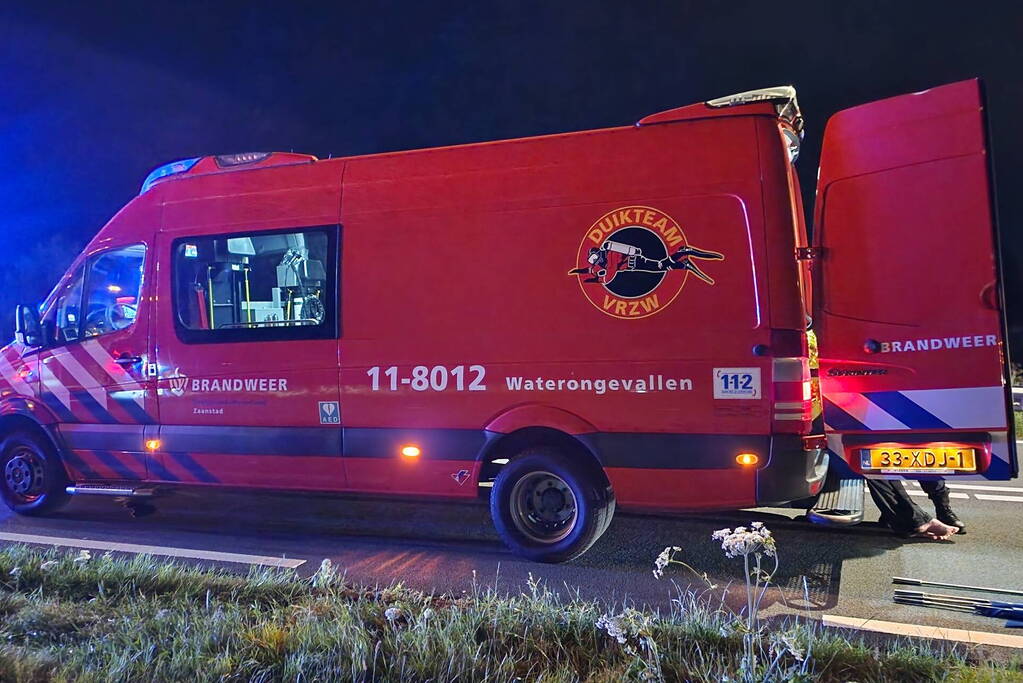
(125,359)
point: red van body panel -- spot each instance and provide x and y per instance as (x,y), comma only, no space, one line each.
(910,321)
(631,295)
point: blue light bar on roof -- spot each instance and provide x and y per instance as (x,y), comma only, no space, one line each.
(172,168)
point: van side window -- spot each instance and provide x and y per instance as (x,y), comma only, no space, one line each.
(63,321)
(256,286)
(113,286)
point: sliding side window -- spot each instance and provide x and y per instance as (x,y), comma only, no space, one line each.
(260,286)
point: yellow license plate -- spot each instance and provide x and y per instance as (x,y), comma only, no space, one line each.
(919,459)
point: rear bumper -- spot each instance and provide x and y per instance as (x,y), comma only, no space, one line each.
(792,473)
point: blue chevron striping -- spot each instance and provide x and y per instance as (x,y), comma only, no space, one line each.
(134,409)
(101,414)
(189,463)
(114,463)
(154,468)
(839,420)
(76,461)
(904,410)
(54,404)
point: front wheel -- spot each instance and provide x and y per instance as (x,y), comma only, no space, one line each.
(32,479)
(548,507)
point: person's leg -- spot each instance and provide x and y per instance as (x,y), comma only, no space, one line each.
(898,511)
(937,491)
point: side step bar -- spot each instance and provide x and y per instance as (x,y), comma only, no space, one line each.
(841,507)
(118,491)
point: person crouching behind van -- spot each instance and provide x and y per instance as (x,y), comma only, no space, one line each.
(903,516)
(937,491)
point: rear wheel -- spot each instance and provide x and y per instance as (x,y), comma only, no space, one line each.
(32,480)
(548,507)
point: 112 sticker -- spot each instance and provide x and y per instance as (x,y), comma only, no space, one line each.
(737,383)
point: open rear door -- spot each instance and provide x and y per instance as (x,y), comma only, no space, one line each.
(908,310)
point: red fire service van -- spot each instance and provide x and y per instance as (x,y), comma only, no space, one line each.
(558,324)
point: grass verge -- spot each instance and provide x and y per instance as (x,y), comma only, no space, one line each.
(100,619)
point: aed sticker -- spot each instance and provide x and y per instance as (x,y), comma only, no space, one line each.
(191,251)
(330,413)
(737,383)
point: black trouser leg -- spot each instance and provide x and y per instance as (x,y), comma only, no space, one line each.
(934,487)
(937,491)
(898,511)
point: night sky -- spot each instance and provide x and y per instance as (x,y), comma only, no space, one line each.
(94,95)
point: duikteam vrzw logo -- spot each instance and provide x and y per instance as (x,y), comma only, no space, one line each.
(633,262)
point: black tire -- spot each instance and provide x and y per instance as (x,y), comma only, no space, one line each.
(32,478)
(548,507)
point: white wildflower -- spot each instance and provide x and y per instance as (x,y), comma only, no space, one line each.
(632,628)
(786,642)
(325,575)
(83,557)
(48,565)
(793,647)
(742,541)
(664,559)
(392,614)
(15,572)
(428,614)
(614,627)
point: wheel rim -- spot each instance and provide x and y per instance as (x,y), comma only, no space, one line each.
(543,507)
(24,475)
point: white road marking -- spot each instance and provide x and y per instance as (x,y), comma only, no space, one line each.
(917,631)
(1011,499)
(975,487)
(951,494)
(237,558)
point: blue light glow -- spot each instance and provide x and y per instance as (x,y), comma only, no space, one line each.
(180,166)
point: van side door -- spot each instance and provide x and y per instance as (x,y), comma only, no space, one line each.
(248,356)
(93,371)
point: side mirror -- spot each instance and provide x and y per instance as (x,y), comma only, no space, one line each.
(27,328)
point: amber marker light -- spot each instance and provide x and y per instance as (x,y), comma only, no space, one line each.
(152,444)
(410,451)
(747,459)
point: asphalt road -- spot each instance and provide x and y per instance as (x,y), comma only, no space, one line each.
(445,547)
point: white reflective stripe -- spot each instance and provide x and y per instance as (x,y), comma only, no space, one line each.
(14,379)
(106,361)
(54,386)
(794,405)
(866,412)
(85,380)
(790,416)
(972,407)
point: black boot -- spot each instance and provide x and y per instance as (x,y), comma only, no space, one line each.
(943,510)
